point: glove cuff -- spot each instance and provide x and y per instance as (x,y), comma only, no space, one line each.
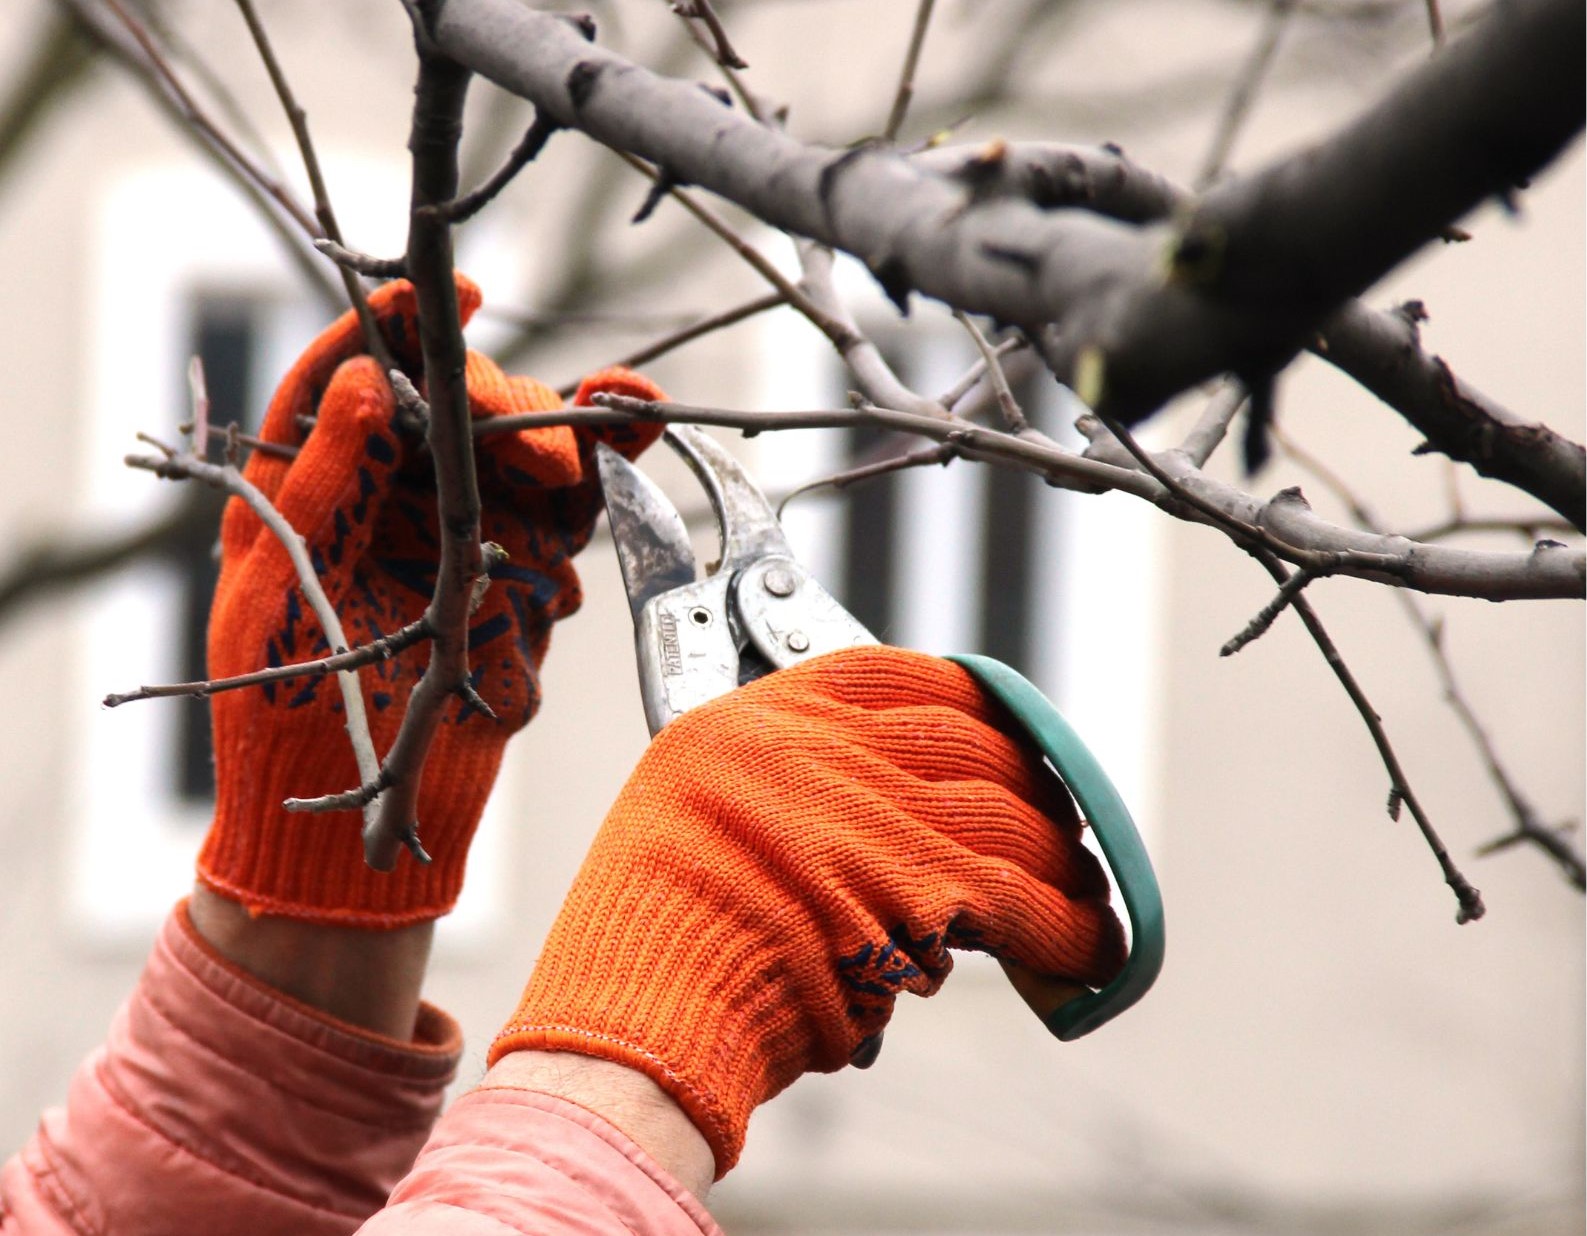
(310,865)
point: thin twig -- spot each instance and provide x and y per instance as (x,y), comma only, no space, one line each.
(904,95)
(374,341)
(1013,415)
(226,476)
(362,263)
(366,654)
(200,120)
(814,298)
(688,334)
(1258,626)
(198,398)
(1435,24)
(1467,896)
(1530,528)
(112,34)
(1238,106)
(359,798)
(972,376)
(525,152)
(1470,899)
(1529,825)
(735,82)
(1210,429)
(701,10)
(943,453)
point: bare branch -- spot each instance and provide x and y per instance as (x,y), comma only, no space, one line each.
(922,457)
(867,365)
(437,125)
(200,121)
(1241,98)
(284,219)
(688,334)
(1435,23)
(172,465)
(906,77)
(1259,625)
(701,10)
(1400,791)
(1380,349)
(1548,570)
(525,152)
(374,341)
(1497,106)
(362,263)
(1013,415)
(1212,427)
(1529,824)
(366,654)
(973,376)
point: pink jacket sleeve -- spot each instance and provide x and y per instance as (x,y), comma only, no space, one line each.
(220,1105)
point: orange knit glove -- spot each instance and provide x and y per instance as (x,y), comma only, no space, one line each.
(363,498)
(788,858)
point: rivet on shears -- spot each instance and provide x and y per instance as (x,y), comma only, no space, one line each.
(781,583)
(798,641)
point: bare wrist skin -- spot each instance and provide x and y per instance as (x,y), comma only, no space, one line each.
(622,1096)
(369,979)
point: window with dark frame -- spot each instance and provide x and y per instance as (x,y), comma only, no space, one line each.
(224,333)
(1005,571)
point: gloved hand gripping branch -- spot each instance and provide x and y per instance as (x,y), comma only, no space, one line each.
(362,496)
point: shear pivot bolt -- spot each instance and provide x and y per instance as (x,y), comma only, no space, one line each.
(779,582)
(799,642)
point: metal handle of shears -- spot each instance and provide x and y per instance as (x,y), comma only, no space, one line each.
(1118,838)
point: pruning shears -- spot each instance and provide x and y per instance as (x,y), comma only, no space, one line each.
(758,610)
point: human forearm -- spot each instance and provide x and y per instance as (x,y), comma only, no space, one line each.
(623,1097)
(216,1105)
(369,979)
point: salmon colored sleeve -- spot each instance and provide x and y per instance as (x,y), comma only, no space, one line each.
(510,1161)
(219,1105)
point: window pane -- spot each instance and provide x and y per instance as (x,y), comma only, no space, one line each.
(224,335)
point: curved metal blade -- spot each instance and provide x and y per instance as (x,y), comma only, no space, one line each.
(652,543)
(745,521)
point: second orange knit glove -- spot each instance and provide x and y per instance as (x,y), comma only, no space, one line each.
(363,498)
(786,859)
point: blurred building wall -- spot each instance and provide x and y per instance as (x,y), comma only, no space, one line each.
(1326,1050)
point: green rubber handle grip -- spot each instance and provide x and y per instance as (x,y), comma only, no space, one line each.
(1116,834)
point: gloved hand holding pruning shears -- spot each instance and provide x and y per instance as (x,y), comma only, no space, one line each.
(818,821)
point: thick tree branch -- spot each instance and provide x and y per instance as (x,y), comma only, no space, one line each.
(1242,297)
(1380,349)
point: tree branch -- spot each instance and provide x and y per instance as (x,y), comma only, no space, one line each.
(1380,349)
(1549,570)
(171,465)
(365,654)
(437,127)
(1242,298)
